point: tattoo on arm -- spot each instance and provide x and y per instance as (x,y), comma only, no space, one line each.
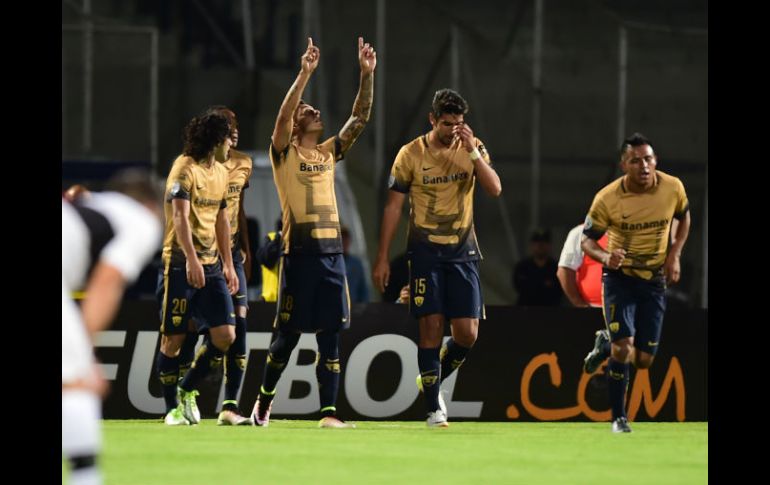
(360,116)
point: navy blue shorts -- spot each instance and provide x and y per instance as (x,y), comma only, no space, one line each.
(312,293)
(240,298)
(450,288)
(210,306)
(634,307)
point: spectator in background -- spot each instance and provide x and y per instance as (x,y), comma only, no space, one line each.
(535,276)
(359,292)
(579,275)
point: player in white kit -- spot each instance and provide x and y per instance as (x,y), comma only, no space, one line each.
(107,238)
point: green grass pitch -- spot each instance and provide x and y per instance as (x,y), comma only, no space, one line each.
(146,452)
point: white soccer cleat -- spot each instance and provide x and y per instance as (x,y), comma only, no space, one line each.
(620,425)
(175,417)
(190,406)
(437,419)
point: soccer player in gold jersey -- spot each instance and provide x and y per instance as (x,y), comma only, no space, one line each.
(239,168)
(636,211)
(439,170)
(195,281)
(312,291)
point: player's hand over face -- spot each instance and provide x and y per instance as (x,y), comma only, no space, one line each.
(195,276)
(465,134)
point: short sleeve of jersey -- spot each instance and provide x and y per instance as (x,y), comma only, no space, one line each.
(182,186)
(333,146)
(682,203)
(401,173)
(483,151)
(134,247)
(248,174)
(597,220)
(572,254)
(277,157)
(137,233)
(223,204)
(248,167)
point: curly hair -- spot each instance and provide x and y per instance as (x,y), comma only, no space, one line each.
(203,133)
(226,112)
(450,102)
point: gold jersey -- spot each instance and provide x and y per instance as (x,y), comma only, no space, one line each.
(239,168)
(304,178)
(206,189)
(640,223)
(440,186)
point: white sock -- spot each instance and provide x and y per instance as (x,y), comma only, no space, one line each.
(81,436)
(85,476)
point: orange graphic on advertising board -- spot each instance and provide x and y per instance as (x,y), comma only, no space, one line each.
(641,393)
